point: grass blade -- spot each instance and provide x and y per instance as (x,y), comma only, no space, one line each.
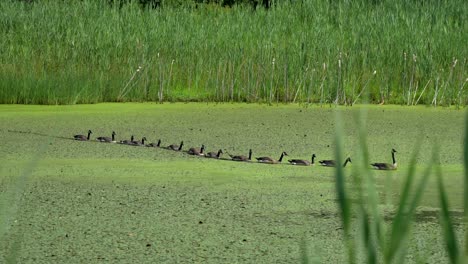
(446,222)
(465,162)
(368,241)
(374,235)
(304,256)
(401,223)
(340,180)
(343,202)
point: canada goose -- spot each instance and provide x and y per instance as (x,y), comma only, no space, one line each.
(386,166)
(214,155)
(270,160)
(83,137)
(126,141)
(302,162)
(107,139)
(241,157)
(332,163)
(197,151)
(138,143)
(155,145)
(176,147)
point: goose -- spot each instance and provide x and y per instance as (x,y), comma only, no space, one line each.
(332,163)
(83,137)
(241,157)
(214,155)
(302,162)
(176,147)
(107,139)
(386,166)
(138,143)
(155,145)
(197,151)
(126,141)
(269,160)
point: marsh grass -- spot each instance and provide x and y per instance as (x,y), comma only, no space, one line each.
(56,52)
(465,200)
(375,243)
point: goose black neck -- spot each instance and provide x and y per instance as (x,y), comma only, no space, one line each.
(281,158)
(181,144)
(393,157)
(113,136)
(313,158)
(219,153)
(159,143)
(143,141)
(89,135)
(346,162)
(250,155)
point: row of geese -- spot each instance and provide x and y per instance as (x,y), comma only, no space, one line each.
(201,152)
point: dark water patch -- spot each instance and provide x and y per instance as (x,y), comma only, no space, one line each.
(433,216)
(421,216)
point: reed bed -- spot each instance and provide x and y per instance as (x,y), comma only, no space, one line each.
(71,52)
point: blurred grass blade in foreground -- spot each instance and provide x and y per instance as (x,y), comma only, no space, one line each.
(446,222)
(343,202)
(465,162)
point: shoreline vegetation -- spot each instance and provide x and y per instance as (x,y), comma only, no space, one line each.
(318,52)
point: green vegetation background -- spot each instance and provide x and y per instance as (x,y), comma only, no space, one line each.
(401,52)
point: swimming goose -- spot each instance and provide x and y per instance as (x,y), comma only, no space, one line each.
(83,137)
(241,157)
(269,160)
(386,166)
(138,143)
(126,141)
(176,147)
(332,163)
(302,162)
(155,145)
(214,155)
(197,151)
(107,139)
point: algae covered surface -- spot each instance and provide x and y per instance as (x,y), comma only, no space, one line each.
(99,202)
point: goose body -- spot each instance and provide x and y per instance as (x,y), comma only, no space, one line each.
(155,145)
(197,151)
(270,160)
(241,157)
(214,155)
(332,163)
(138,143)
(107,139)
(83,137)
(386,166)
(126,141)
(302,162)
(176,147)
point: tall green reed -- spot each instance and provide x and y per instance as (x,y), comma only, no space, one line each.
(324,52)
(465,205)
